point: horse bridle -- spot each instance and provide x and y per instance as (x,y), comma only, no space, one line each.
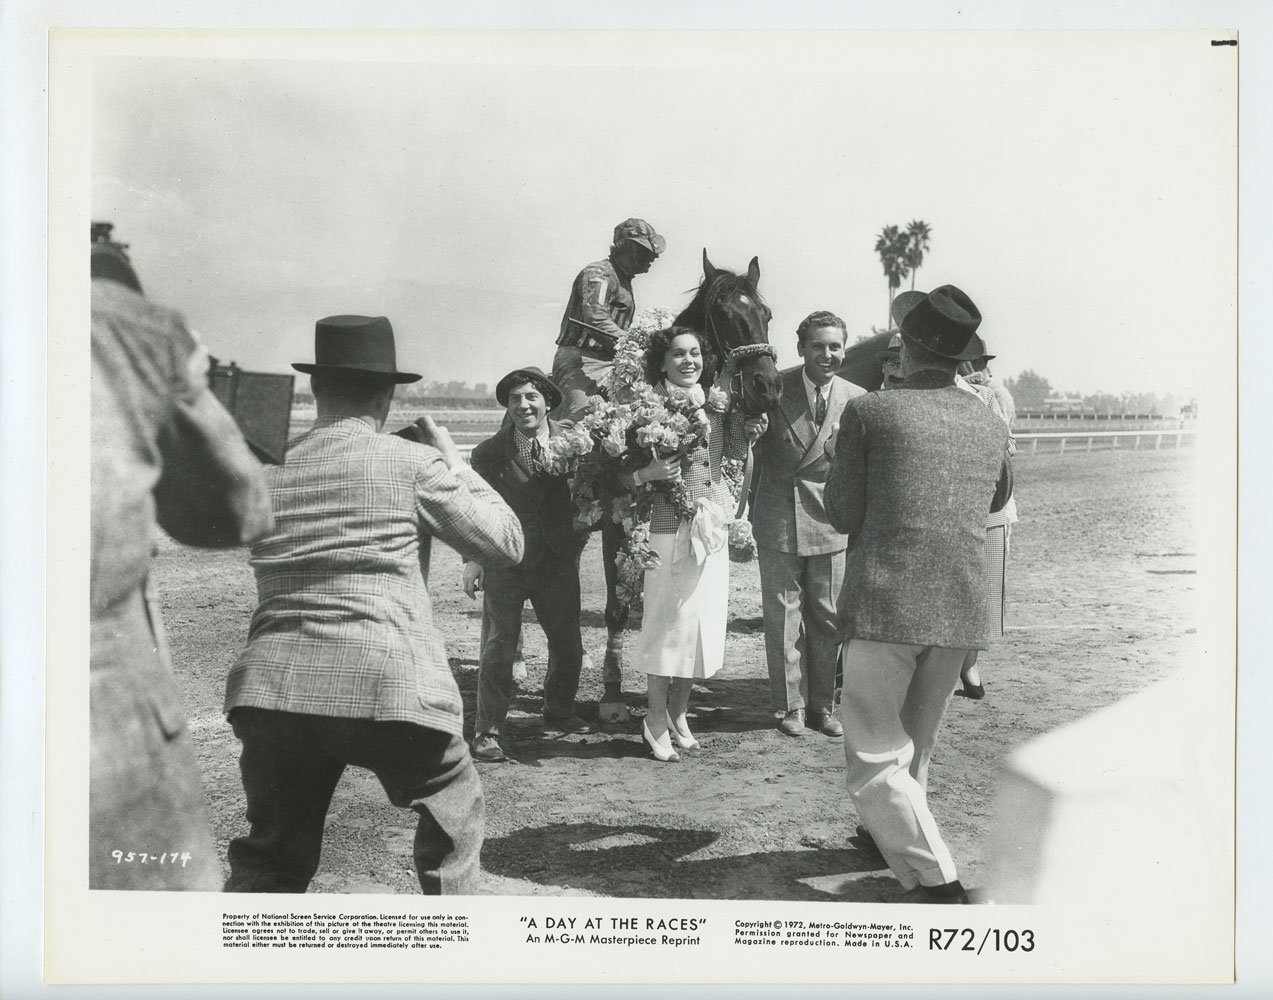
(734,360)
(736,356)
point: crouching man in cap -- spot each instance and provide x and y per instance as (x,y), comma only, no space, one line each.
(516,463)
(343,664)
(914,474)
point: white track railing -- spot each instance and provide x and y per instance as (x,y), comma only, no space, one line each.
(1114,437)
(1029,443)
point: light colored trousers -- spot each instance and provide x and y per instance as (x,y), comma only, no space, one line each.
(894,698)
(798,595)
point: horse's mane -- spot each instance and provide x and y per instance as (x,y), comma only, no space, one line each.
(722,284)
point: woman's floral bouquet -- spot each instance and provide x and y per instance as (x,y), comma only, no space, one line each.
(565,449)
(637,423)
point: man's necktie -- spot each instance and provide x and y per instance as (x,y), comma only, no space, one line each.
(819,406)
(536,455)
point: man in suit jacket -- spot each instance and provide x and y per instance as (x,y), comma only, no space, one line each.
(163,450)
(801,555)
(343,664)
(515,462)
(915,472)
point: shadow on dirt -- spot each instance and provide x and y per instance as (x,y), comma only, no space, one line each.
(721,704)
(747,626)
(654,861)
(724,704)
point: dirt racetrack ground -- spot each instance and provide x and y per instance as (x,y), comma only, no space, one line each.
(1101,585)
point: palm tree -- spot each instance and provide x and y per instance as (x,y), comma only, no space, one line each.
(892,245)
(919,232)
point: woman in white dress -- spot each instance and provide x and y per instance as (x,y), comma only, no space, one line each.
(686,598)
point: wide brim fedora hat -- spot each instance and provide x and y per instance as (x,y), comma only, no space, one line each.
(903,302)
(520,376)
(944,322)
(108,261)
(355,345)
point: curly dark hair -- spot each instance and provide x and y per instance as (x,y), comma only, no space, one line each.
(817,320)
(661,343)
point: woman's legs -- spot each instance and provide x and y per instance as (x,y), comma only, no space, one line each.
(970,677)
(678,702)
(657,710)
(655,725)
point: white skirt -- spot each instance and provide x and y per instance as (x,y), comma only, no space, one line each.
(683,627)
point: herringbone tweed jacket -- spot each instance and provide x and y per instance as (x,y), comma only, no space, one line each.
(344,626)
(916,471)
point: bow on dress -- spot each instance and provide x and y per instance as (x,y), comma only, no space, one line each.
(703,534)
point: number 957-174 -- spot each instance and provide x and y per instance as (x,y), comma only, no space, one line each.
(146,858)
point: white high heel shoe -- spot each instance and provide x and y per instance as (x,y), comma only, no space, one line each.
(661,752)
(687,742)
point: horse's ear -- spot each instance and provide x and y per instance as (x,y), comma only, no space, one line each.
(709,271)
(753,272)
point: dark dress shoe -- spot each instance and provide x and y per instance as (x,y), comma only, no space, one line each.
(825,723)
(792,723)
(949,892)
(571,724)
(974,691)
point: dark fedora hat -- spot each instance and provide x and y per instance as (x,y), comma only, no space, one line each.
(109,262)
(903,302)
(945,322)
(520,376)
(357,344)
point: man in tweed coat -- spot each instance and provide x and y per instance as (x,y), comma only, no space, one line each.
(343,664)
(801,555)
(163,450)
(914,473)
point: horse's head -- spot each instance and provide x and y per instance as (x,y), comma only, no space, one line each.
(728,310)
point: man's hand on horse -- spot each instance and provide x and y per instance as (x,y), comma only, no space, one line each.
(473,578)
(429,431)
(754,427)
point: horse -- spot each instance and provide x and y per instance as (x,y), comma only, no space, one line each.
(728,311)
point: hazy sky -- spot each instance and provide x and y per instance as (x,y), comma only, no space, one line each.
(1080,187)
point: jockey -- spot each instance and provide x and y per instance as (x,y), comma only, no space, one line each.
(600,309)
(598,312)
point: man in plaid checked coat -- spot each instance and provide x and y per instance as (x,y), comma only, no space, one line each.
(343,664)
